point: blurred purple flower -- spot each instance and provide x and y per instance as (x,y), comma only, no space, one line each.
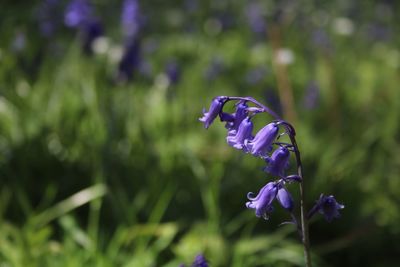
(92,30)
(214,110)
(278,162)
(311,97)
(199,261)
(130,61)
(321,39)
(19,42)
(215,68)
(48,15)
(327,206)
(256,75)
(262,142)
(78,13)
(262,203)
(378,32)
(255,18)
(131,18)
(173,72)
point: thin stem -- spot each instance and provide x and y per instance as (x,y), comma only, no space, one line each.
(303,216)
(291,133)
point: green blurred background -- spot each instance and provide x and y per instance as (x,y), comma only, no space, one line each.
(98,169)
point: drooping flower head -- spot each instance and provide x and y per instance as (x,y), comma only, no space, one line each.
(238,139)
(278,162)
(263,140)
(215,108)
(262,203)
(327,206)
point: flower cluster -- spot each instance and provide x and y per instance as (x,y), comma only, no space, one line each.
(265,144)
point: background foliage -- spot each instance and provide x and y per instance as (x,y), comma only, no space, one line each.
(97,171)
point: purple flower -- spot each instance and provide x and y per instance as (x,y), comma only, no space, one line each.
(215,109)
(77,13)
(327,206)
(173,72)
(131,19)
(200,261)
(311,97)
(130,61)
(234,120)
(91,30)
(237,139)
(278,162)
(48,16)
(284,198)
(262,203)
(256,18)
(263,140)
(80,14)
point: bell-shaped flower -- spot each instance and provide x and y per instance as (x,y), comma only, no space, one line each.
(262,203)
(327,206)
(262,142)
(278,162)
(284,198)
(214,110)
(234,120)
(243,133)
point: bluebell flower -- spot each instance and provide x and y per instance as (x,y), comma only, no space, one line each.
(77,13)
(240,115)
(214,110)
(237,139)
(327,206)
(262,203)
(285,198)
(130,61)
(199,261)
(131,18)
(263,140)
(278,162)
(80,14)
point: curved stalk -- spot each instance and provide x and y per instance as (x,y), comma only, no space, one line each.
(291,133)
